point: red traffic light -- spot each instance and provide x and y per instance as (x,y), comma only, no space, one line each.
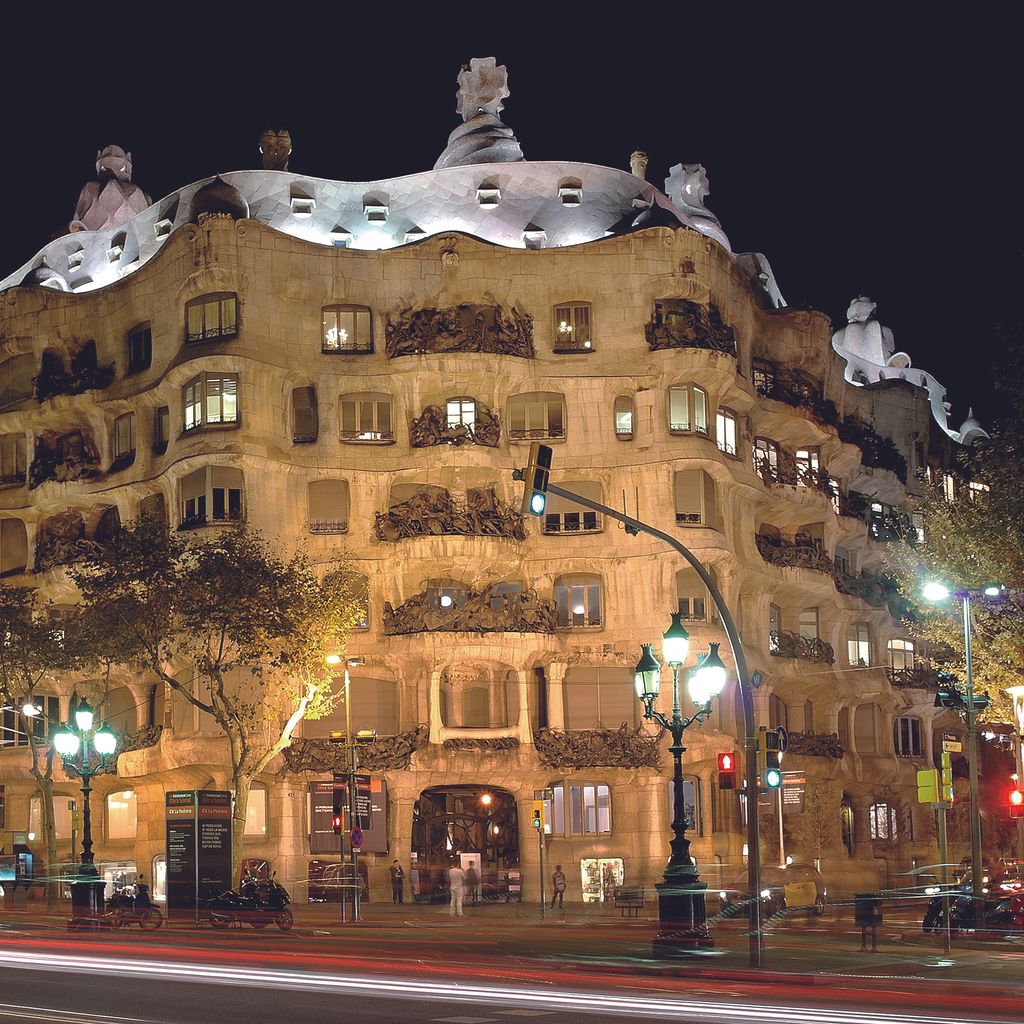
(336,824)
(1016,803)
(727,771)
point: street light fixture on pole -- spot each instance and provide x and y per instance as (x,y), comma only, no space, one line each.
(936,593)
(73,743)
(682,912)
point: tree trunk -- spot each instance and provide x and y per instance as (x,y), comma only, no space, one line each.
(241,784)
(50,831)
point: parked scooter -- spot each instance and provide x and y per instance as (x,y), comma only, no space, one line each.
(253,902)
(130,904)
(1004,914)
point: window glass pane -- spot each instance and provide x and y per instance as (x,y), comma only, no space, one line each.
(575,810)
(604,809)
(229,398)
(384,419)
(589,809)
(228,314)
(700,410)
(256,812)
(679,408)
(555,425)
(121,814)
(195,320)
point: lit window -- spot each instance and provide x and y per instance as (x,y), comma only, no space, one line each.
(694,498)
(140,347)
(366,417)
(917,522)
(578,602)
(210,399)
(347,329)
(883,821)
(901,655)
(122,814)
(461,412)
(624,417)
(575,810)
(256,811)
(725,430)
(766,458)
(211,317)
(858,645)
(764,377)
(572,328)
(124,438)
(692,596)
(687,409)
(536,416)
(211,494)
(808,466)
(12,459)
(692,809)
(906,737)
(948,487)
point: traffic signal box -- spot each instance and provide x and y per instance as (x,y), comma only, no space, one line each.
(727,771)
(935,785)
(946,779)
(538,815)
(337,815)
(769,758)
(1016,803)
(535,480)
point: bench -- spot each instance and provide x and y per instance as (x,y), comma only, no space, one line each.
(628,898)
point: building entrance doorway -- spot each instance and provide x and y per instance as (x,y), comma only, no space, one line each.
(600,876)
(451,822)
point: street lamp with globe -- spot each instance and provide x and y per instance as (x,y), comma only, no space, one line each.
(86,752)
(682,913)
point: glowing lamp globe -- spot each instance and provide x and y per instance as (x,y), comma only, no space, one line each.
(84,716)
(675,643)
(105,740)
(993,589)
(66,741)
(333,659)
(935,591)
(29,710)
(708,678)
(647,675)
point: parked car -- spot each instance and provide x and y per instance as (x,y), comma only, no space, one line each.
(774,884)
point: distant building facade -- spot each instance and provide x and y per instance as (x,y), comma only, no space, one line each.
(358,369)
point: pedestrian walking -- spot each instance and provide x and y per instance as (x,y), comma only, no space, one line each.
(457,885)
(473,883)
(557,886)
(397,882)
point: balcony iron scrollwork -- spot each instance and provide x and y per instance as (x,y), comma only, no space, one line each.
(463,328)
(796,389)
(877,451)
(793,554)
(815,744)
(433,512)
(920,677)
(783,644)
(782,467)
(477,611)
(624,747)
(385,753)
(431,427)
(681,323)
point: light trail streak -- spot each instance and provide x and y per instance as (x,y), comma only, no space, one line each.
(42,1013)
(682,1008)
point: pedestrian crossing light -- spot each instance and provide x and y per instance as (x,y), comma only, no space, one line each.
(727,771)
(1017,803)
(535,479)
(538,815)
(336,824)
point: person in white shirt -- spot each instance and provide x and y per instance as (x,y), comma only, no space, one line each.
(457,885)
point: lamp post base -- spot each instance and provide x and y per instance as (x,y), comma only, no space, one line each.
(682,917)
(87,905)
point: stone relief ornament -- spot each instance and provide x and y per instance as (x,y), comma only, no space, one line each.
(464,328)
(815,744)
(433,511)
(275,148)
(682,323)
(431,427)
(482,138)
(386,753)
(113,199)
(487,744)
(147,736)
(480,611)
(598,748)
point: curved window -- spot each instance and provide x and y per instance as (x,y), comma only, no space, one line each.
(578,602)
(124,440)
(535,416)
(211,494)
(211,317)
(624,413)
(564,516)
(599,698)
(694,601)
(122,814)
(367,417)
(13,546)
(726,431)
(695,498)
(901,655)
(687,409)
(16,375)
(119,711)
(572,328)
(140,347)
(346,328)
(328,506)
(211,399)
(906,737)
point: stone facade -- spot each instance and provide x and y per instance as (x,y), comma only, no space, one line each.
(500,707)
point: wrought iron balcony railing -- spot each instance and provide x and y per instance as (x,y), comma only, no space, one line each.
(794,554)
(783,644)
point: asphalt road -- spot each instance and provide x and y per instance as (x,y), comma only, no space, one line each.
(106,988)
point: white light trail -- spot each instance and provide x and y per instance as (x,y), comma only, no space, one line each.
(682,1007)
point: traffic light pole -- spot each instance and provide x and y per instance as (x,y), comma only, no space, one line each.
(977,866)
(634,527)
(944,873)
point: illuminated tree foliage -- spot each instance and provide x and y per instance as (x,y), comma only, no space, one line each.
(236,631)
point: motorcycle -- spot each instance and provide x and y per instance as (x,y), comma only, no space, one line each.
(1004,914)
(130,904)
(253,902)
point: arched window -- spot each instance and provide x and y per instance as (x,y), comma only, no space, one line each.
(573,330)
(536,416)
(374,708)
(865,728)
(599,697)
(210,400)
(695,498)
(211,317)
(122,815)
(119,711)
(901,655)
(256,811)
(563,516)
(328,506)
(13,546)
(140,347)
(623,412)
(367,417)
(304,415)
(906,737)
(211,494)
(578,601)
(346,328)
(687,409)
(61,817)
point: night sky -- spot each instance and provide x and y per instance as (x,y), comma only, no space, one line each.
(860,156)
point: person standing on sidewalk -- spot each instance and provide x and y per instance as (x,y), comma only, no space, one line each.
(457,885)
(397,881)
(557,886)
(473,883)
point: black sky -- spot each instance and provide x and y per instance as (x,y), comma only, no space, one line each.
(860,155)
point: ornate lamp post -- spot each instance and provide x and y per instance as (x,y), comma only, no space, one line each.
(73,742)
(682,913)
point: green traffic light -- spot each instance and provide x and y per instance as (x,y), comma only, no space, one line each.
(538,501)
(772,778)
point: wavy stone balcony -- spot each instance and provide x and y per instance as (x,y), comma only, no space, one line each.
(920,677)
(796,389)
(783,468)
(791,554)
(681,323)
(783,644)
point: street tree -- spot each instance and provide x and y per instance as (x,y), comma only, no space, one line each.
(817,827)
(237,631)
(33,651)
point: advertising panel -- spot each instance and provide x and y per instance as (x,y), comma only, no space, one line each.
(371,812)
(198,848)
